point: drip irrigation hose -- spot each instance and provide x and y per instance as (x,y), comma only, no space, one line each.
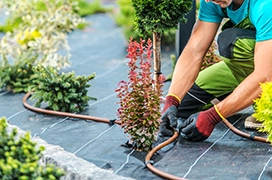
(58,113)
(243,134)
(148,161)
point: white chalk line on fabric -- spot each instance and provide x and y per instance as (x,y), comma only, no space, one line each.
(110,70)
(264,168)
(16,114)
(51,126)
(3,93)
(125,162)
(93,139)
(98,55)
(105,98)
(59,122)
(114,94)
(196,161)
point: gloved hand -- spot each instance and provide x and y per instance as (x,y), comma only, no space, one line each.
(169,115)
(199,126)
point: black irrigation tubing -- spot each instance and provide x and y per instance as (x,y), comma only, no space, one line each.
(148,158)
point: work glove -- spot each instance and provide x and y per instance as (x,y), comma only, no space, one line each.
(169,115)
(199,126)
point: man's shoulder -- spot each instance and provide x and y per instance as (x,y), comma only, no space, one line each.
(260,16)
(260,9)
(210,12)
(258,5)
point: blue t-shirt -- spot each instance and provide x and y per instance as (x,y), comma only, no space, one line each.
(260,15)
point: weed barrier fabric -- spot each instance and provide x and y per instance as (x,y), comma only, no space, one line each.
(98,143)
(224,155)
(101,49)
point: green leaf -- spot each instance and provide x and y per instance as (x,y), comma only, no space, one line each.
(60,97)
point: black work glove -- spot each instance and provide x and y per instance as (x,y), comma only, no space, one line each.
(169,115)
(199,126)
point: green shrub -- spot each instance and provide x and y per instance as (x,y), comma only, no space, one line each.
(263,109)
(64,92)
(43,29)
(160,16)
(19,157)
(125,19)
(17,76)
(83,8)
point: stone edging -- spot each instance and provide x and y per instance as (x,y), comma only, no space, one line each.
(76,168)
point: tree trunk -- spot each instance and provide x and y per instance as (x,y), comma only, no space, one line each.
(157,58)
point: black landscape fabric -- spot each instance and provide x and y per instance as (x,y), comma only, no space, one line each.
(101,48)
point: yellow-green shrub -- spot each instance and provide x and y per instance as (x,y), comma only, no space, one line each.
(263,109)
(19,157)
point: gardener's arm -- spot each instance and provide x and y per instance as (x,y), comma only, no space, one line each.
(199,126)
(190,60)
(186,71)
(249,89)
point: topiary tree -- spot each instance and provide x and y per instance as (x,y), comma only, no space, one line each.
(125,18)
(19,157)
(156,17)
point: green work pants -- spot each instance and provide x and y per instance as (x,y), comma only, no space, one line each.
(236,49)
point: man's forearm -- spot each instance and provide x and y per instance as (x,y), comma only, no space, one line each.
(241,97)
(250,89)
(185,73)
(188,65)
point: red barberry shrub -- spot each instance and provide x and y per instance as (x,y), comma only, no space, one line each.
(139,109)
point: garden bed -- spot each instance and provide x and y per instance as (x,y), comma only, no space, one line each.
(101,48)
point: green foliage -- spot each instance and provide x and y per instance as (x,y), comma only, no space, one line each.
(39,6)
(43,28)
(19,157)
(160,15)
(64,92)
(88,8)
(211,57)
(10,24)
(83,8)
(197,4)
(125,18)
(16,77)
(139,102)
(263,109)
